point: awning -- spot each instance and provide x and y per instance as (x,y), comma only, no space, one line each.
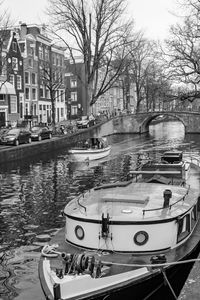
(7,88)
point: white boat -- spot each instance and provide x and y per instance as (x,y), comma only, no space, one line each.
(126,238)
(91,149)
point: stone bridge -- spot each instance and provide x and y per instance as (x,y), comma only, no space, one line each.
(139,123)
(133,123)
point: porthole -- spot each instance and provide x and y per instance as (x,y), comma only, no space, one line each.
(79,232)
(141,238)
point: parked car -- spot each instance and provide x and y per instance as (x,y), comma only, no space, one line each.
(40,133)
(86,121)
(16,136)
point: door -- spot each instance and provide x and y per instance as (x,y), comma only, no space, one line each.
(2,119)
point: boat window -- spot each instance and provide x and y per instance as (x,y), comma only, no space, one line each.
(183,227)
(141,238)
(193,216)
(79,232)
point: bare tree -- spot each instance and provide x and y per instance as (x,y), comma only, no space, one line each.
(53,82)
(157,87)
(183,51)
(5,24)
(96,30)
(141,59)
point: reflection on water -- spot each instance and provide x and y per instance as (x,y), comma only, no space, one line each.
(33,193)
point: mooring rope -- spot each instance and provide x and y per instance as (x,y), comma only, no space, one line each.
(152,265)
(50,250)
(168,283)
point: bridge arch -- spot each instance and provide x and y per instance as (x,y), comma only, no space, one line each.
(144,126)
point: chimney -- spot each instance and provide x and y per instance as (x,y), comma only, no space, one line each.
(23,30)
(167,194)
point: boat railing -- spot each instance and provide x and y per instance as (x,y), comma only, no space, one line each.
(170,206)
(81,205)
(169,173)
(193,158)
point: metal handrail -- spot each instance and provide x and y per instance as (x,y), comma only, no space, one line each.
(81,205)
(159,208)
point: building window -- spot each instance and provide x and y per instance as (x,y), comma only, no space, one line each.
(61,61)
(74,110)
(40,107)
(12,80)
(57,96)
(62,95)
(31,50)
(46,55)
(62,112)
(57,60)
(14,46)
(13,104)
(21,110)
(48,93)
(73,96)
(3,70)
(27,78)
(26,108)
(22,46)
(2,97)
(14,63)
(27,93)
(73,82)
(34,109)
(34,91)
(41,92)
(19,82)
(33,78)
(30,62)
(53,59)
(41,56)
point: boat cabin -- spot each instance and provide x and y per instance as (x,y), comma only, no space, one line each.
(170,169)
(172,157)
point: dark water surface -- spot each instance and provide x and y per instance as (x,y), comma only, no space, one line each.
(33,193)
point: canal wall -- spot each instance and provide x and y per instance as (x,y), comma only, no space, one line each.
(13,153)
(191,289)
(117,125)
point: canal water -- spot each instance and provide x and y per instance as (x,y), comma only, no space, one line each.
(34,192)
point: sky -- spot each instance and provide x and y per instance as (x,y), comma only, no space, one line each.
(153,16)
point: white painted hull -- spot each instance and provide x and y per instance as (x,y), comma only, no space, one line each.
(124,227)
(89,154)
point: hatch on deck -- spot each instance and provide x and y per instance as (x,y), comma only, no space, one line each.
(125,198)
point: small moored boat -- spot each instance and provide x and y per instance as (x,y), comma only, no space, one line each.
(126,237)
(90,149)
